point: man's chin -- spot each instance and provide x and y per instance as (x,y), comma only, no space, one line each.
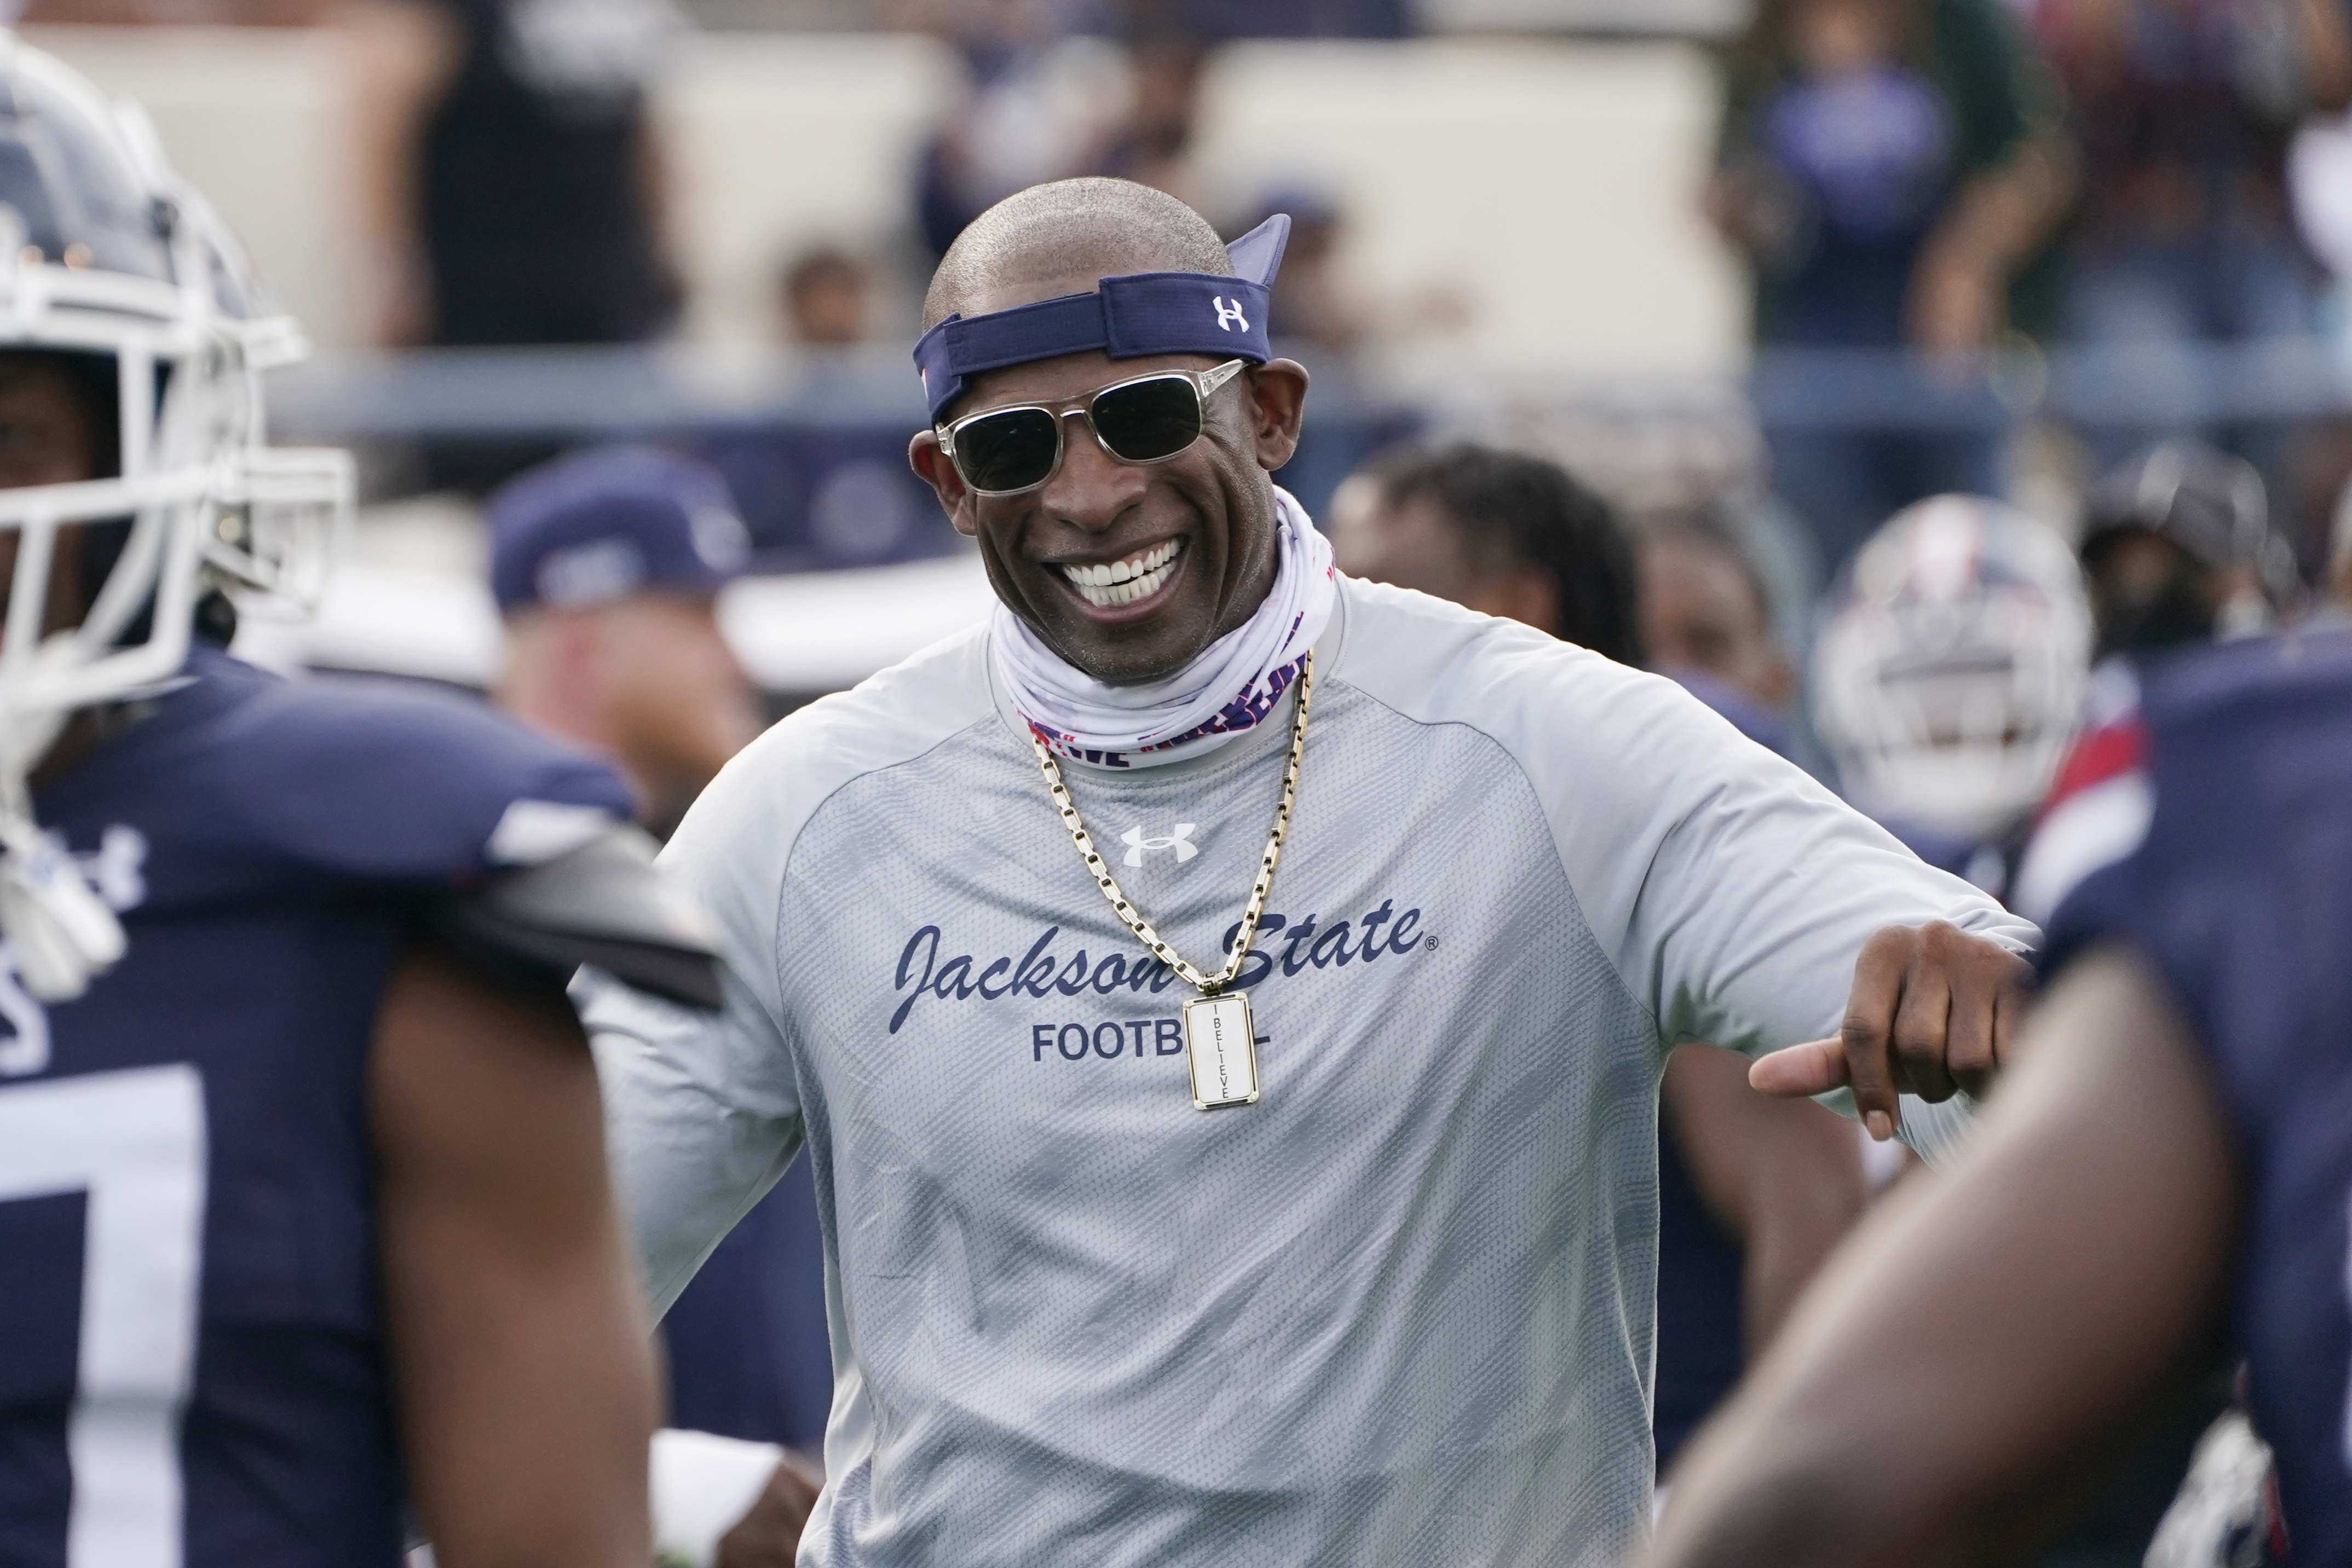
(1135,654)
(1125,645)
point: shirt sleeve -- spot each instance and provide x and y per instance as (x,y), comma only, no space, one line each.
(1733,893)
(702,1109)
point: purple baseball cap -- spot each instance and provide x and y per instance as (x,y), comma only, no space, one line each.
(1129,317)
(603,523)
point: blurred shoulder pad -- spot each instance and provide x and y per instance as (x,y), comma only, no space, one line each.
(605,903)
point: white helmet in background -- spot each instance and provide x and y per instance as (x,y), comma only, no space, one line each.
(110,262)
(1950,665)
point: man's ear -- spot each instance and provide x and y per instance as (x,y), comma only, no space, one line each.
(934,468)
(1276,402)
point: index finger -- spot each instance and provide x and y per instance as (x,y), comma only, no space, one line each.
(1868,1032)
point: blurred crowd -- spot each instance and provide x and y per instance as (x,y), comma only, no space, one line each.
(1934,201)
(1926,193)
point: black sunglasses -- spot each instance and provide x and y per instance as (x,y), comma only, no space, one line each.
(1146,420)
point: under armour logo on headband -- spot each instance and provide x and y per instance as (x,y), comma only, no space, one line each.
(1130,317)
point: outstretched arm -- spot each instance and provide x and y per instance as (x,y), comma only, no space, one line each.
(521,1352)
(1988,1329)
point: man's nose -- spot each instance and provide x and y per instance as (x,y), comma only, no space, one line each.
(1092,488)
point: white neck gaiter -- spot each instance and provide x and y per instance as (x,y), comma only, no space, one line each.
(1232,684)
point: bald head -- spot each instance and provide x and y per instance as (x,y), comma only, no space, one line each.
(1091,228)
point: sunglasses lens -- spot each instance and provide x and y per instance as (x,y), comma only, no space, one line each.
(1007,451)
(1146,421)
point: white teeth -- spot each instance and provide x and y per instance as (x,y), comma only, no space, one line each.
(1123,582)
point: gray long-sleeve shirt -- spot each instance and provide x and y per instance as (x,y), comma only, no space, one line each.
(1399,1311)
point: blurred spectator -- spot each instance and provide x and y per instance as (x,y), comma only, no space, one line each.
(1042,105)
(1753,1194)
(605,564)
(817,495)
(2186,111)
(509,184)
(1223,19)
(1501,533)
(2178,548)
(1949,676)
(1887,169)
(509,179)
(173,13)
(1311,305)
(1153,145)
(828,297)
(1706,616)
(1317,304)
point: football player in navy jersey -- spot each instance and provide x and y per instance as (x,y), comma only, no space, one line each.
(303,1213)
(2166,1173)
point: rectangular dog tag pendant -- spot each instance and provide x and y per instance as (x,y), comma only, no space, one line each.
(1221,1050)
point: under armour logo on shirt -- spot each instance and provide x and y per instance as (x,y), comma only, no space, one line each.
(1182,840)
(1229,314)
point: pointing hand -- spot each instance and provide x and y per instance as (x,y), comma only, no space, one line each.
(1932,1010)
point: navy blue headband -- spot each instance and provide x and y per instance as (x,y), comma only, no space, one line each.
(1144,313)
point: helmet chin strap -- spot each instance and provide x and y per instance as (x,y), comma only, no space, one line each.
(58,932)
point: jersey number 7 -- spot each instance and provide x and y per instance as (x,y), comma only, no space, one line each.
(133,1142)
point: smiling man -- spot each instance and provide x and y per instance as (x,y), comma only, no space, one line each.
(1224,1002)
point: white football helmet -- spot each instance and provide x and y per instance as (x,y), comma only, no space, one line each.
(1950,665)
(105,253)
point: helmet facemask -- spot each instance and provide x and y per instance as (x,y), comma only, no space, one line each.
(196,504)
(1950,673)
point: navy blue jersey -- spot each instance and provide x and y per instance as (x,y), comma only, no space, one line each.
(2219,820)
(1701,1290)
(191,1363)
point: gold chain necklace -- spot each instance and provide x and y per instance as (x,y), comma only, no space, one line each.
(1220,1044)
